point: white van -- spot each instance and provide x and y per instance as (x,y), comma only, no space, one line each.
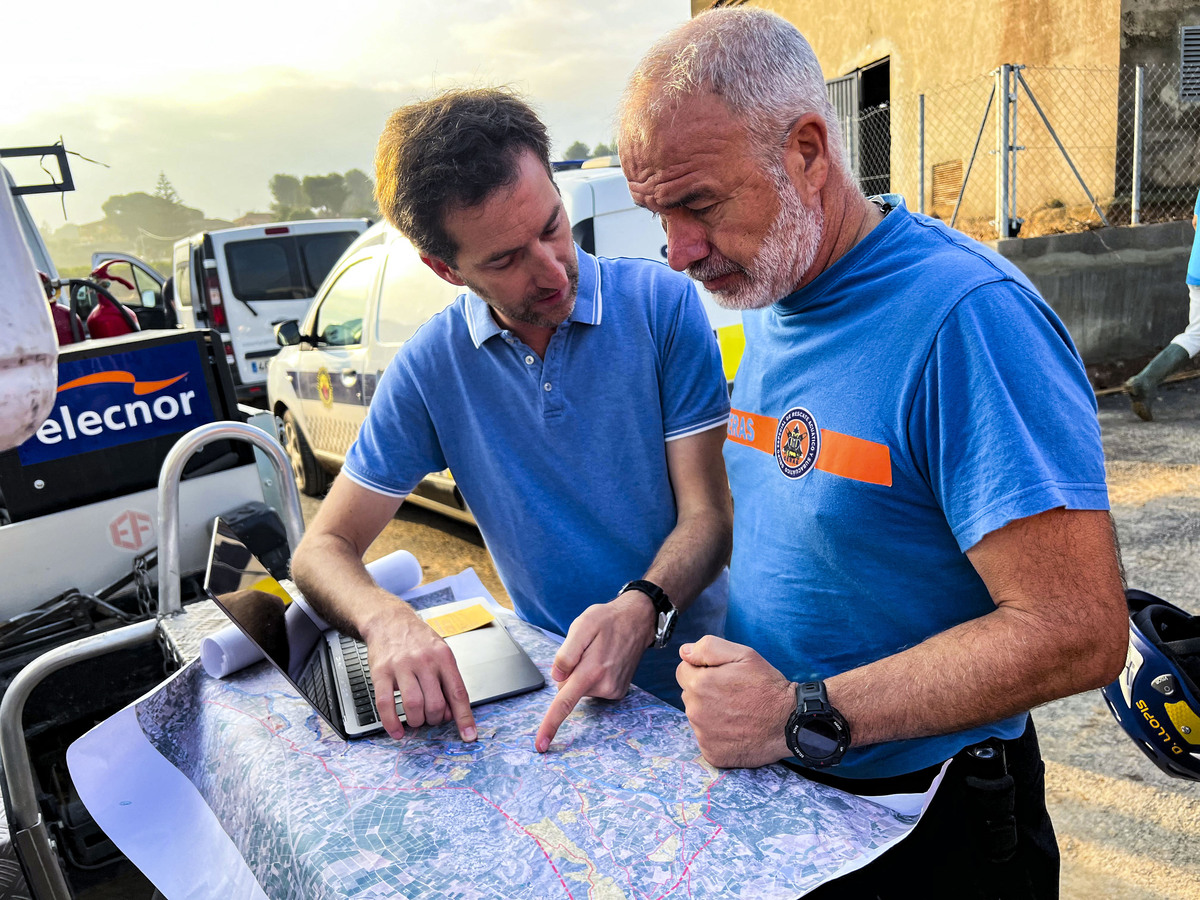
(380,292)
(241,282)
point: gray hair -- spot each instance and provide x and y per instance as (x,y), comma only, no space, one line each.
(757,62)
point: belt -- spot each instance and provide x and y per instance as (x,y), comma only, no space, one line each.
(985,759)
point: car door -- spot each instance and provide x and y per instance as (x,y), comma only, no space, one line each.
(181,278)
(145,299)
(330,383)
(410,293)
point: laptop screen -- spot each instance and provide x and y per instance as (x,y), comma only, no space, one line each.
(258,603)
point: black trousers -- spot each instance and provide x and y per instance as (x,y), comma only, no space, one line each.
(986,835)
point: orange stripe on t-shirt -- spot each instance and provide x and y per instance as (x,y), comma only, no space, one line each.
(855,458)
(753,430)
(841,454)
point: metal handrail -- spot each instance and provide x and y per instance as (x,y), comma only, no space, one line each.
(169,592)
(31,837)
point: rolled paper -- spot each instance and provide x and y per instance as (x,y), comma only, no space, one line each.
(229,650)
(397,572)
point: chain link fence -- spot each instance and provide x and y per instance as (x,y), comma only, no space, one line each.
(1085,147)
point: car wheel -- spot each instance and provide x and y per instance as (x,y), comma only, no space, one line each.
(310,477)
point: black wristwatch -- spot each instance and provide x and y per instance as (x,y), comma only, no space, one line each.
(667,614)
(817,734)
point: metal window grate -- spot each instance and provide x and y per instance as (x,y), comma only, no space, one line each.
(1189,64)
(843,94)
(947,182)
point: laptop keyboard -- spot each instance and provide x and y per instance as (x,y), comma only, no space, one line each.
(355,654)
(312,683)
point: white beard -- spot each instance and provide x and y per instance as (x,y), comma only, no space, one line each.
(788,251)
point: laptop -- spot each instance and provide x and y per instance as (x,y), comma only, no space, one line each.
(329,669)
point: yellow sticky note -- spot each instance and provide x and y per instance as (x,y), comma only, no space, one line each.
(460,620)
(271,586)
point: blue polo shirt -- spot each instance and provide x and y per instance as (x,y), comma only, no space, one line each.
(562,459)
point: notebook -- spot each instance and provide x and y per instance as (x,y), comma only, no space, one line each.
(329,669)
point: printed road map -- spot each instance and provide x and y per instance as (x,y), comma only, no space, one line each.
(623,806)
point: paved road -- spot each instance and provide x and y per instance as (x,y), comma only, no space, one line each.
(1127,831)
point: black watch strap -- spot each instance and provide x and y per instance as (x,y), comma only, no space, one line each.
(812,697)
(656,594)
(665,613)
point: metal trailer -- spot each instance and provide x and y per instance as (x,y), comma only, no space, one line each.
(177,629)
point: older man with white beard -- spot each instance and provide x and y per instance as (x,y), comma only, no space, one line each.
(922,548)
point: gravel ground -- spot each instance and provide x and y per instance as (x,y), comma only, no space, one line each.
(1127,831)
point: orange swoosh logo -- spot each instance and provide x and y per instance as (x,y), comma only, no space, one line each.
(120,376)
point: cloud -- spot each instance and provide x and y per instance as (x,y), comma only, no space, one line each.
(219,155)
(220,135)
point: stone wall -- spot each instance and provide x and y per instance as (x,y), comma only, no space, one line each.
(1120,291)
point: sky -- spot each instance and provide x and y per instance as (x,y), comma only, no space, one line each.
(223,94)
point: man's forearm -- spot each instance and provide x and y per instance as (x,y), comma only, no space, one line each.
(691,557)
(698,546)
(332,577)
(978,672)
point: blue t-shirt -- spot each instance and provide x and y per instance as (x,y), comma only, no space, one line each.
(562,460)
(914,397)
(1193,273)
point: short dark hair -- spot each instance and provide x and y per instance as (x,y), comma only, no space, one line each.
(451,151)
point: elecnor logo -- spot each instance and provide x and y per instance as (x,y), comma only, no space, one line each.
(107,401)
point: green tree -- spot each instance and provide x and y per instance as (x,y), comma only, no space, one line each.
(577,150)
(132,215)
(289,196)
(148,225)
(602,149)
(360,195)
(164,190)
(327,192)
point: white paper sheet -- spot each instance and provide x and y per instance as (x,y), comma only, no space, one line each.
(156,816)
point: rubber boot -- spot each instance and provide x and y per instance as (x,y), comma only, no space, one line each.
(1141,387)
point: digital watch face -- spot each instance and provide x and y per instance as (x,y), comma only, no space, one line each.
(818,738)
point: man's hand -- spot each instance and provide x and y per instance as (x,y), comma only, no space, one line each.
(737,702)
(408,656)
(603,648)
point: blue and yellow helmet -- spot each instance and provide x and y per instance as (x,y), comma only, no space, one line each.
(1155,698)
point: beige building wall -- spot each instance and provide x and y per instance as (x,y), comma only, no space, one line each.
(948,51)
(932,42)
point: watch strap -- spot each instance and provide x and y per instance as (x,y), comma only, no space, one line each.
(664,613)
(656,594)
(812,697)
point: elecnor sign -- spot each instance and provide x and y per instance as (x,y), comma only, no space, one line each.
(107,401)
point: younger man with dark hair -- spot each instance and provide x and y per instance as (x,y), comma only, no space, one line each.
(580,404)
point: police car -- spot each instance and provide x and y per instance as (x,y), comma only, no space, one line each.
(321,382)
